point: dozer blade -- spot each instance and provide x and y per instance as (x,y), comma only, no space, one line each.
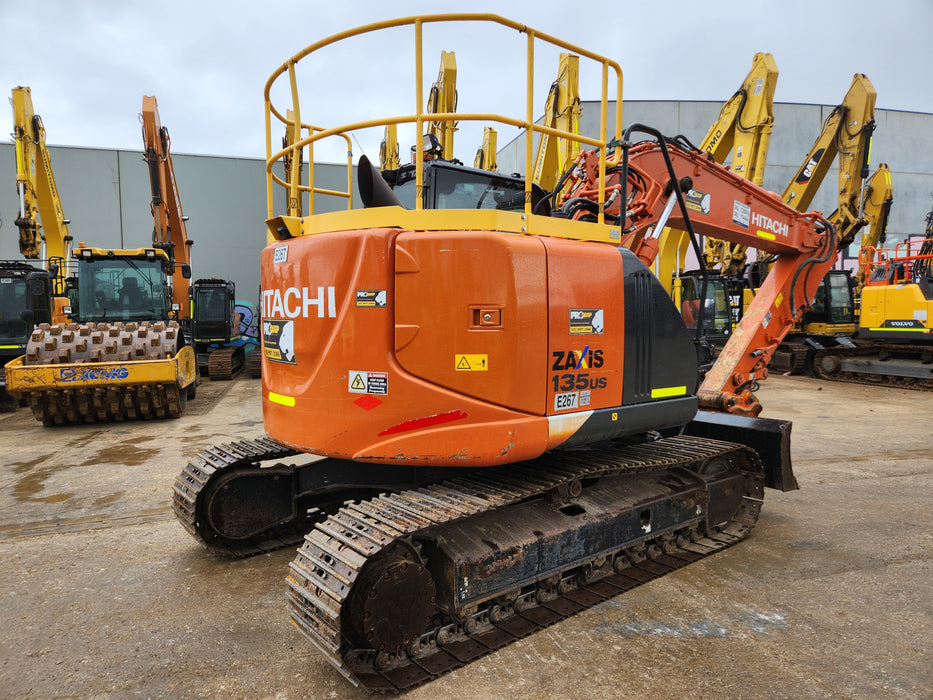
(769,437)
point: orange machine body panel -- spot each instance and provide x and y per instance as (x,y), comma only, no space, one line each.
(458,348)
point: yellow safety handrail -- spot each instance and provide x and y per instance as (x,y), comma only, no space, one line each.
(421,116)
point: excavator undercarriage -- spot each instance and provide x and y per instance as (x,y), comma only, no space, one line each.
(399,584)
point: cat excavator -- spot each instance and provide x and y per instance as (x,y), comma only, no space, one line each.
(483,411)
(121,354)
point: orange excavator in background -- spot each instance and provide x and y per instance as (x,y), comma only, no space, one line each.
(483,411)
(170,231)
(205,306)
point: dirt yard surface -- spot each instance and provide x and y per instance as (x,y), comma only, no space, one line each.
(104,595)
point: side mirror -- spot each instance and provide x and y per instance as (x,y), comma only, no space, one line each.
(186,271)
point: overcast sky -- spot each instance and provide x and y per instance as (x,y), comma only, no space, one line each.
(89,63)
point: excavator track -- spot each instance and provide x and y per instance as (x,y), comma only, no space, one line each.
(193,486)
(904,366)
(225,363)
(790,357)
(255,363)
(98,343)
(401,588)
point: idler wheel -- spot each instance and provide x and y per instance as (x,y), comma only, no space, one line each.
(392,601)
(830,364)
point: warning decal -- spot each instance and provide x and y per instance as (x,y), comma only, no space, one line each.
(368,382)
(471,363)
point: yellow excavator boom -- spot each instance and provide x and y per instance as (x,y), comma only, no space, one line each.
(744,129)
(442,99)
(388,152)
(486,154)
(847,132)
(41,220)
(876,205)
(561,111)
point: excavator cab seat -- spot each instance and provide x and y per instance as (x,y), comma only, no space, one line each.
(130,296)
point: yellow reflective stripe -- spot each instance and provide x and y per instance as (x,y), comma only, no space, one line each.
(765,234)
(902,330)
(282,399)
(11,347)
(668,391)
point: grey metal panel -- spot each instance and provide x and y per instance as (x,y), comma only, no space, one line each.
(88,182)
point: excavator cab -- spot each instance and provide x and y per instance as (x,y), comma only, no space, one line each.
(834,303)
(452,185)
(25,300)
(215,327)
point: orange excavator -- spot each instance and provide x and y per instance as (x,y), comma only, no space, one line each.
(483,411)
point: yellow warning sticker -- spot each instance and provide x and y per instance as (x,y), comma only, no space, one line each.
(471,363)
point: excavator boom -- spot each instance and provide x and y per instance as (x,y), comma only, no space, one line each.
(847,133)
(555,154)
(43,228)
(744,129)
(170,231)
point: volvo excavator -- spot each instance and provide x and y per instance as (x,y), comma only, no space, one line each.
(483,412)
(894,342)
(121,354)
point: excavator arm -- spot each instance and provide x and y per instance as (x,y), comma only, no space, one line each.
(388,151)
(486,154)
(35,185)
(744,129)
(847,132)
(561,111)
(876,205)
(665,183)
(170,232)
(442,99)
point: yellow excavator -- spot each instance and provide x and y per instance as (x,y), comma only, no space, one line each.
(893,345)
(124,355)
